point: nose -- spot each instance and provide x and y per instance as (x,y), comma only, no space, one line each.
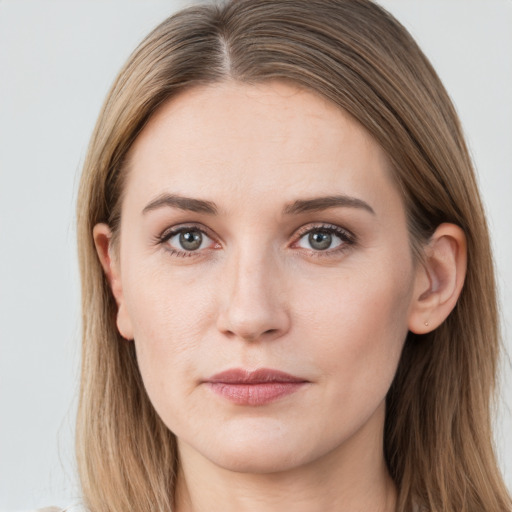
(253,304)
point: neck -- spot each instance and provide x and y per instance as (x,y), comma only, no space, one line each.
(354,478)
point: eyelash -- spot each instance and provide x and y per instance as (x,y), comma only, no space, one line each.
(169,233)
(347,238)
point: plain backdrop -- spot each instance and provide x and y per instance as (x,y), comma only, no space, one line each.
(57,60)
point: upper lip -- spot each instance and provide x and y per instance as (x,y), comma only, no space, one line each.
(259,376)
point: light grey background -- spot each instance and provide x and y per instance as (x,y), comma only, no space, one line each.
(57,60)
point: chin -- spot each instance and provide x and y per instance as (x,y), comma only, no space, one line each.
(257,448)
(257,460)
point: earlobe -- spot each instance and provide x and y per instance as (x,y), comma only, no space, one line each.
(439,279)
(102,235)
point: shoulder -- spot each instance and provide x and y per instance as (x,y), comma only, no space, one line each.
(48,509)
(72,508)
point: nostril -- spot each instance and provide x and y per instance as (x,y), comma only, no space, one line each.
(252,335)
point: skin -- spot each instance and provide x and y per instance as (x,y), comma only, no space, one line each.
(258,293)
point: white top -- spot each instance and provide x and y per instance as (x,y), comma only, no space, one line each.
(72,508)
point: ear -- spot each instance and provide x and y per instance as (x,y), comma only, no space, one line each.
(109,260)
(439,279)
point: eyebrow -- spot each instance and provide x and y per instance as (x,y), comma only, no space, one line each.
(324,203)
(299,206)
(183,203)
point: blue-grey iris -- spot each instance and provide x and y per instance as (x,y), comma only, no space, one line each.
(320,240)
(191,240)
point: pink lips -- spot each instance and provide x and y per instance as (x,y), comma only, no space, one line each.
(259,387)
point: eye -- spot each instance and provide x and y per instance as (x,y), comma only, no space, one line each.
(325,238)
(320,240)
(186,240)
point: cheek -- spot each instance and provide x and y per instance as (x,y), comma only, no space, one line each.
(357,328)
(168,306)
(170,321)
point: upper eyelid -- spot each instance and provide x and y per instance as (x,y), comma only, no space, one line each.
(326,226)
(169,232)
(320,225)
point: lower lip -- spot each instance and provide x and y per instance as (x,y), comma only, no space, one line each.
(254,394)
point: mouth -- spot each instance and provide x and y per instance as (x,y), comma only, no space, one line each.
(254,388)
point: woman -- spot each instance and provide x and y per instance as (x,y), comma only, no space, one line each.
(288,293)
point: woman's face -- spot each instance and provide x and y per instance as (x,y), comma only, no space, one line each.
(265,274)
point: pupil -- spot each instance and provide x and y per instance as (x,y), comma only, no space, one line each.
(320,240)
(191,240)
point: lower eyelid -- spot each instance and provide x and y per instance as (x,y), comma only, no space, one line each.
(180,254)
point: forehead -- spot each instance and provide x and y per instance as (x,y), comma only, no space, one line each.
(268,139)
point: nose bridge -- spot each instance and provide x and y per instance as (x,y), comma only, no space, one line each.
(254,305)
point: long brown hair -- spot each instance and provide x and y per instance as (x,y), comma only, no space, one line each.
(438,425)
